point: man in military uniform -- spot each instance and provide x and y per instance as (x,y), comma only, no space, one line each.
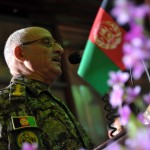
(29,112)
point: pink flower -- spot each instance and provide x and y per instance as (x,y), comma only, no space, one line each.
(27,146)
(140,141)
(117,78)
(115,146)
(139,12)
(146,98)
(136,50)
(116,96)
(136,31)
(124,11)
(124,113)
(120,11)
(132,93)
(141,118)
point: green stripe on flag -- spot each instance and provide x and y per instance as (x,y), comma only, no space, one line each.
(32,121)
(95,66)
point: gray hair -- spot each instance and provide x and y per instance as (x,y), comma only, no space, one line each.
(16,39)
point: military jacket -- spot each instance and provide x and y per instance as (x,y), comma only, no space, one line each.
(59,130)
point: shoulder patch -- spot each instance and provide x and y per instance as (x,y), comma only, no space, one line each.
(17,92)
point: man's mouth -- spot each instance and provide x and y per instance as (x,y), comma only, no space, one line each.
(57,59)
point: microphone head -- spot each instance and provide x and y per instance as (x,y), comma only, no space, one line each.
(75,57)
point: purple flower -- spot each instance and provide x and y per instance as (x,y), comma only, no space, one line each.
(115,146)
(117,78)
(27,146)
(140,141)
(140,11)
(146,98)
(144,118)
(133,59)
(116,96)
(136,42)
(121,11)
(136,31)
(124,113)
(124,11)
(135,49)
(138,70)
(136,52)
(132,93)
(141,118)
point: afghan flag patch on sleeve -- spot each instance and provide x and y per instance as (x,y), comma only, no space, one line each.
(23,122)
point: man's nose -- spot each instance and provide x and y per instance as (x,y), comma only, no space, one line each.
(59,48)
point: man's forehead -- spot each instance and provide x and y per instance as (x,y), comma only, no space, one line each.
(37,33)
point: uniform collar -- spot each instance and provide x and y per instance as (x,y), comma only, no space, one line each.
(35,86)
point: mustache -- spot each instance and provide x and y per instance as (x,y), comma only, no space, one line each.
(57,57)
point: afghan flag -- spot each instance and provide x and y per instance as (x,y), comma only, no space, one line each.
(23,122)
(103,51)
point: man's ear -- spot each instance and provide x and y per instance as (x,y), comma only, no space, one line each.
(18,53)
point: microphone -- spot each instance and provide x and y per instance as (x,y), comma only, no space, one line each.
(75,57)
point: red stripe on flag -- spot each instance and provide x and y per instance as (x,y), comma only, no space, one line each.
(108,36)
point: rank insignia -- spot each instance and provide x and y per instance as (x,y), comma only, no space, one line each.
(17,92)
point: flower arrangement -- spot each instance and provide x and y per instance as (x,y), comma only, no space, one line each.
(136,58)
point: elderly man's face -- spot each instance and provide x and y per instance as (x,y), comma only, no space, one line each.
(43,55)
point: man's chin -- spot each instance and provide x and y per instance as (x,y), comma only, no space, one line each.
(57,72)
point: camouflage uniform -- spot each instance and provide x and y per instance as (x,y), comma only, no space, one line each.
(59,130)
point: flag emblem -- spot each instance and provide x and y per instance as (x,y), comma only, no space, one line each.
(24,121)
(107,35)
